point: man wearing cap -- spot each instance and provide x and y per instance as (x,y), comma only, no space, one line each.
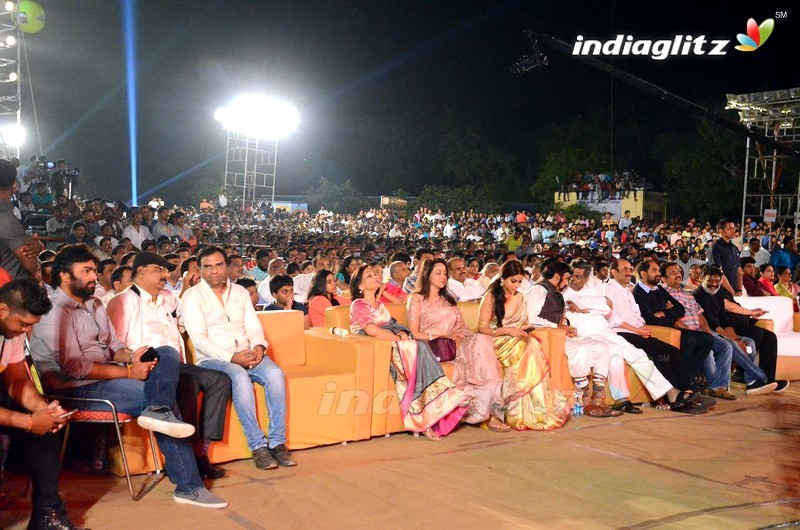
(145,314)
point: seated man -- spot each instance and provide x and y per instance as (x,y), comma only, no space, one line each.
(749,280)
(733,321)
(627,322)
(227,336)
(282,289)
(587,309)
(717,365)
(120,280)
(587,356)
(659,308)
(393,292)
(462,288)
(145,314)
(80,355)
(24,413)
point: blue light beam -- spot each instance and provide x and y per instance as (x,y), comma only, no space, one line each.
(129,23)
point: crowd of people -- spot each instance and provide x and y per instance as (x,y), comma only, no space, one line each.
(129,281)
(602,186)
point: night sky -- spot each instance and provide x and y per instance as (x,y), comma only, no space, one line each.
(345,63)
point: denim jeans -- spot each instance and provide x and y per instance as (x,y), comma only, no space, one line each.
(132,396)
(717,365)
(268,375)
(747,362)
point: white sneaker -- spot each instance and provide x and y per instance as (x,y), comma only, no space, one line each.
(202,498)
(165,422)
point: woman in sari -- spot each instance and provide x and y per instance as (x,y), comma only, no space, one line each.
(429,402)
(784,286)
(767,278)
(531,402)
(433,314)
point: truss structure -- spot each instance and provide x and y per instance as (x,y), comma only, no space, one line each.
(250,168)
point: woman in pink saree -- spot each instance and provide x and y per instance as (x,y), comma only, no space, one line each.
(433,315)
(429,402)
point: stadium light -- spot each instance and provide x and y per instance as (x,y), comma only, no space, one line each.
(10,7)
(259,116)
(12,135)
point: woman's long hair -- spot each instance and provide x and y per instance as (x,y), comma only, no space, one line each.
(424,287)
(319,287)
(344,266)
(509,269)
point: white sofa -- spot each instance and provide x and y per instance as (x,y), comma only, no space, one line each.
(779,310)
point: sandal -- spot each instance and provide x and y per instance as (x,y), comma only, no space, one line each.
(496,424)
(627,407)
(600,411)
(431,435)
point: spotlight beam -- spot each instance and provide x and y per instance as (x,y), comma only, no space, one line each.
(129,23)
(179,176)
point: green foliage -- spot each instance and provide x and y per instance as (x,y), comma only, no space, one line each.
(702,177)
(456,199)
(580,211)
(204,187)
(337,198)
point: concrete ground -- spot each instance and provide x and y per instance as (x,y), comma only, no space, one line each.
(736,467)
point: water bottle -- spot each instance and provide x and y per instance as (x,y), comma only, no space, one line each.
(340,332)
(646,404)
(577,408)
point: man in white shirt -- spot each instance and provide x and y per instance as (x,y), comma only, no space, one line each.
(137,232)
(546,307)
(627,322)
(145,314)
(462,288)
(227,335)
(587,309)
(756,251)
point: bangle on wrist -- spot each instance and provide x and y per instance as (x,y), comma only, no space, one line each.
(129,371)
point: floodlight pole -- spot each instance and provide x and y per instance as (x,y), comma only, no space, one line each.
(250,167)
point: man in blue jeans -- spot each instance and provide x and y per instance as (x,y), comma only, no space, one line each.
(80,355)
(227,335)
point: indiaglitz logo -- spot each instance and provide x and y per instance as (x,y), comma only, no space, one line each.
(756,36)
(679,45)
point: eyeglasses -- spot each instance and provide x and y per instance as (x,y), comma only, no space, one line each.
(159,268)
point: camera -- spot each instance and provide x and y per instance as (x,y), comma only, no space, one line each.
(41,165)
(70,171)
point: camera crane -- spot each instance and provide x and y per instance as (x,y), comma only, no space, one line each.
(529,62)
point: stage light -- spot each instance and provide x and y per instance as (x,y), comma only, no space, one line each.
(12,135)
(259,116)
(11,40)
(10,7)
(13,77)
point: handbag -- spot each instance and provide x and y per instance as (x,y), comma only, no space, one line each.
(443,349)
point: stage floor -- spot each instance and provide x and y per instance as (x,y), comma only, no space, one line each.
(736,467)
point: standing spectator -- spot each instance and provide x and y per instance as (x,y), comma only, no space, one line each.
(18,252)
(725,255)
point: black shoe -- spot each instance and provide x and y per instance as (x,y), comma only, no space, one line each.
(207,469)
(627,407)
(738,376)
(263,459)
(283,456)
(783,384)
(51,519)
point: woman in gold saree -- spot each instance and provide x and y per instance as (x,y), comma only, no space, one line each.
(532,403)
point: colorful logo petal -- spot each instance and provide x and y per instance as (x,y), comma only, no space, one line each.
(757,35)
(752,32)
(765,30)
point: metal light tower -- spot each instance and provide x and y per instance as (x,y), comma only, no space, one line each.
(10,90)
(776,115)
(254,124)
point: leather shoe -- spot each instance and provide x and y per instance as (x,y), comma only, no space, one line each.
(207,469)
(263,459)
(627,407)
(282,455)
(52,519)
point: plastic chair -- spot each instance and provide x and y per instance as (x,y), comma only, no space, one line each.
(109,417)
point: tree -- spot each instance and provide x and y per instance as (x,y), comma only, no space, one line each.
(456,199)
(338,198)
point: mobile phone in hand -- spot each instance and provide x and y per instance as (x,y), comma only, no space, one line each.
(150,355)
(68,413)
